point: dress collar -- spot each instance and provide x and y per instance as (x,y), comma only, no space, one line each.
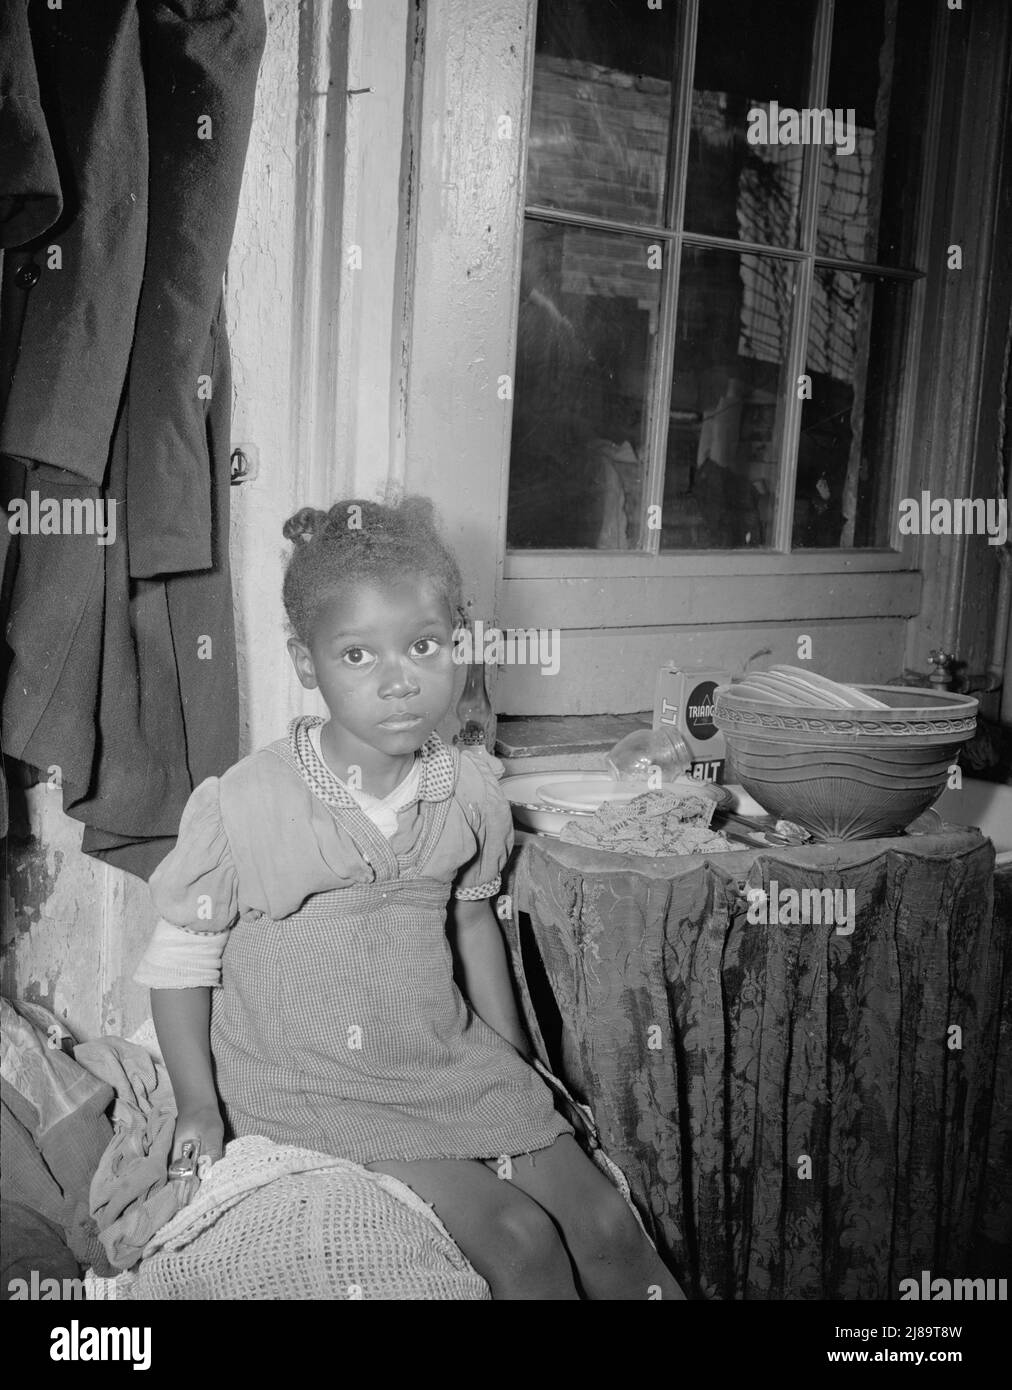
(437,775)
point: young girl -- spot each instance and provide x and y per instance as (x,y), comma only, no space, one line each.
(316,875)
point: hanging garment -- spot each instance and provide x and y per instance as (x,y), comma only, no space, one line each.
(71,290)
(115,372)
(122,691)
(30,198)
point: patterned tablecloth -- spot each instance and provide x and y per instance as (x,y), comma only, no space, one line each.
(802,1113)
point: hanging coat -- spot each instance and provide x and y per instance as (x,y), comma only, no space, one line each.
(115,388)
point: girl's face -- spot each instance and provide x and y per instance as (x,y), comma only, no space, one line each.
(380,655)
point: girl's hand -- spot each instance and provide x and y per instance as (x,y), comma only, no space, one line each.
(199,1133)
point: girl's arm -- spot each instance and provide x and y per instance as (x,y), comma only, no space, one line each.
(484,972)
(182,1019)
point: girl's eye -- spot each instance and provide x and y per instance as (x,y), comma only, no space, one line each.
(429,642)
(355,656)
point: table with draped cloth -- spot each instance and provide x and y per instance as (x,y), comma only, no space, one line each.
(801,1114)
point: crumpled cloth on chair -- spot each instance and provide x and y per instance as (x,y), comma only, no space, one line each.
(53,1127)
(130,1193)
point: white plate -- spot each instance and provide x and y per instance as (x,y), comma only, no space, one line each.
(586,795)
(521,790)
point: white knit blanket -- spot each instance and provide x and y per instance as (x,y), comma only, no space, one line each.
(273,1222)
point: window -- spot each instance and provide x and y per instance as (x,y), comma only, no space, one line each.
(720,256)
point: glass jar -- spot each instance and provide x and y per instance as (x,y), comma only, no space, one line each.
(654,757)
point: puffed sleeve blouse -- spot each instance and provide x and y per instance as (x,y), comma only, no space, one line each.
(259,839)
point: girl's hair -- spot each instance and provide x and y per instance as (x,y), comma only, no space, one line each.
(359,540)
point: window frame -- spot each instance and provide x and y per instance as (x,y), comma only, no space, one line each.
(870,612)
(777,558)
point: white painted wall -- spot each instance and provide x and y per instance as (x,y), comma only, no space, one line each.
(466,236)
(316,342)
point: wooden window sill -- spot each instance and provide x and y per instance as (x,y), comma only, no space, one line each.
(583,736)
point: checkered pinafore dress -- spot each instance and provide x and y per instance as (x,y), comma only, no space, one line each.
(340,1029)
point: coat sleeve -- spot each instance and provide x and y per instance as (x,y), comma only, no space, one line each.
(30,196)
(488,814)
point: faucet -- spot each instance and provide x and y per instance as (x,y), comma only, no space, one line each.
(948,675)
(944,674)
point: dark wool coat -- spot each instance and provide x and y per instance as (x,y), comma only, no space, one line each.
(123,130)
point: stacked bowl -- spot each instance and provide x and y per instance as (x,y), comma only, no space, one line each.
(845,762)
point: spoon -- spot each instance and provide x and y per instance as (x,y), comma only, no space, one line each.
(775,837)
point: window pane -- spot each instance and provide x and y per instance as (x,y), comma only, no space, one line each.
(727,400)
(880,70)
(748,53)
(587,327)
(850,427)
(601,108)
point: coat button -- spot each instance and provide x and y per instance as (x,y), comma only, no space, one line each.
(28,275)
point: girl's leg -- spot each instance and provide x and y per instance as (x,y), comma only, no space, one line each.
(511,1242)
(613,1258)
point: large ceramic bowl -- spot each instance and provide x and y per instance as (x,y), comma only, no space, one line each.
(846,774)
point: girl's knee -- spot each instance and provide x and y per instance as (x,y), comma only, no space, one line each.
(525,1236)
(611,1227)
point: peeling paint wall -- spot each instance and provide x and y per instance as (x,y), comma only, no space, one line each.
(74,928)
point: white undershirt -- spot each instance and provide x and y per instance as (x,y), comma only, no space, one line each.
(381,810)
